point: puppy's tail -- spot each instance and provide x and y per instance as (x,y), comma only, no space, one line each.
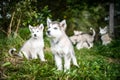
(94,33)
(12,52)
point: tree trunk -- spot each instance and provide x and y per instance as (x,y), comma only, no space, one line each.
(111,19)
(17,27)
(9,27)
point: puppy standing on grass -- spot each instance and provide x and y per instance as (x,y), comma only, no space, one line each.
(83,40)
(34,46)
(77,39)
(60,44)
(88,38)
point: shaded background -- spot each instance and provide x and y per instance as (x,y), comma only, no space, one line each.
(80,14)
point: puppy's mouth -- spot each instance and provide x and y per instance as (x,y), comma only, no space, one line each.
(35,37)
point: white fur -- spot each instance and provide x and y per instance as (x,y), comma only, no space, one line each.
(89,38)
(77,32)
(103,30)
(79,41)
(60,44)
(80,45)
(33,47)
(105,36)
(83,40)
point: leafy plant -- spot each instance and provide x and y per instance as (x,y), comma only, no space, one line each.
(82,17)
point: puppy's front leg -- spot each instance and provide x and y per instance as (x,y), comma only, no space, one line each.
(67,60)
(79,45)
(34,55)
(41,55)
(58,62)
(91,44)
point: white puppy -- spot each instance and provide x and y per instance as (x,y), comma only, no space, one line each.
(77,39)
(84,45)
(83,40)
(88,38)
(105,36)
(60,44)
(33,47)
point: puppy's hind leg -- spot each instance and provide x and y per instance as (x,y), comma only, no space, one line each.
(24,54)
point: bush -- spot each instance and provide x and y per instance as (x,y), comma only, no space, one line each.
(82,17)
(111,50)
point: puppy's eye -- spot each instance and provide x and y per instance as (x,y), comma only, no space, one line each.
(55,28)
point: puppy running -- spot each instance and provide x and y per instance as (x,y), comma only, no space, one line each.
(105,36)
(34,46)
(60,44)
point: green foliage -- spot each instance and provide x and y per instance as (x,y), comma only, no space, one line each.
(111,50)
(21,14)
(24,33)
(97,63)
(83,19)
(36,18)
(30,14)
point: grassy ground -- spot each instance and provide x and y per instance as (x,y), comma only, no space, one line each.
(97,63)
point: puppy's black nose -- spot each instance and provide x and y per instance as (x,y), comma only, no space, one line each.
(48,32)
(35,35)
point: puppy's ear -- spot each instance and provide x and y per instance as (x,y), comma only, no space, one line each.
(91,28)
(105,27)
(75,32)
(41,26)
(30,28)
(63,24)
(48,21)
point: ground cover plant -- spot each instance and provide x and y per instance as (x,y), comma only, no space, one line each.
(97,63)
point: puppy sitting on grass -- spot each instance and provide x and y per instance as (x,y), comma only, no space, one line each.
(33,47)
(60,44)
(105,36)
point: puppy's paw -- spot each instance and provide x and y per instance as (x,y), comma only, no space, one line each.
(44,60)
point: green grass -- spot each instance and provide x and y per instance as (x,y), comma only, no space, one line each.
(97,63)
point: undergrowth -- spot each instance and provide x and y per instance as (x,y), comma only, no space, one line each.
(97,63)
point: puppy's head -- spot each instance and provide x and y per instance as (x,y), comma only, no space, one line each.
(78,32)
(73,39)
(103,30)
(36,32)
(55,29)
